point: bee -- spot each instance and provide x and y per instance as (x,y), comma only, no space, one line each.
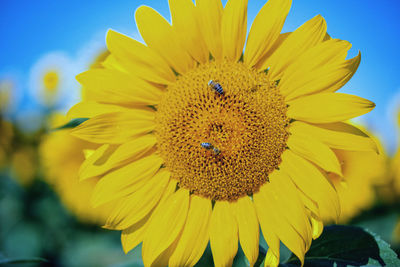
(216,86)
(216,151)
(209,146)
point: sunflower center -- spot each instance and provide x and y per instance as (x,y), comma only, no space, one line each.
(221,130)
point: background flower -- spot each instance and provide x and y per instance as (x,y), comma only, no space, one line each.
(10,95)
(52,83)
(62,156)
(363,172)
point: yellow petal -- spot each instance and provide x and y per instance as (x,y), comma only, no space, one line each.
(125,180)
(281,38)
(313,183)
(194,238)
(90,109)
(328,107)
(223,234)
(306,36)
(288,204)
(132,150)
(112,63)
(328,79)
(139,59)
(133,236)
(265,30)
(337,135)
(117,127)
(315,151)
(95,158)
(271,260)
(320,60)
(267,210)
(165,226)
(123,154)
(328,52)
(210,17)
(351,67)
(115,87)
(162,260)
(248,227)
(134,207)
(185,23)
(234,28)
(267,227)
(317,227)
(169,190)
(398,118)
(327,37)
(159,36)
(310,204)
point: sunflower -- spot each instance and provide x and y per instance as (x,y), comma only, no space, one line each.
(363,172)
(202,143)
(51,81)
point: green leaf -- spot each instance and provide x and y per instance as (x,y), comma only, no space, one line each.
(240,259)
(206,260)
(72,123)
(386,253)
(341,246)
(261,257)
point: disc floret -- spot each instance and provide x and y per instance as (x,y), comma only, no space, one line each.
(222,143)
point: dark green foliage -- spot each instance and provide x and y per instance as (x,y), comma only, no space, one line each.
(72,123)
(341,246)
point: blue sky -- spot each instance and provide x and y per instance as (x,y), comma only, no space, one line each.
(30,29)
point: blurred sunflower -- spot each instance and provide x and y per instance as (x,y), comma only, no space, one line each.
(390,192)
(393,190)
(6,138)
(6,88)
(201,142)
(62,155)
(23,164)
(10,95)
(363,171)
(52,83)
(395,164)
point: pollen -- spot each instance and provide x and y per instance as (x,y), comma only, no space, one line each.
(222,146)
